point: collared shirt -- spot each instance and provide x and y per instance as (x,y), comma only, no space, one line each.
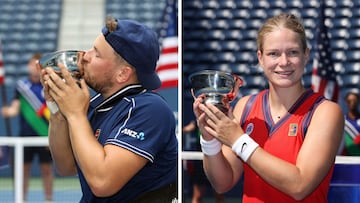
(141,122)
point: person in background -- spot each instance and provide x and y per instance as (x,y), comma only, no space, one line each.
(190,134)
(122,142)
(195,170)
(352,125)
(285,138)
(29,104)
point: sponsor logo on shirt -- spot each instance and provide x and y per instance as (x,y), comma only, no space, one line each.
(133,133)
(249,128)
(293,127)
(97,133)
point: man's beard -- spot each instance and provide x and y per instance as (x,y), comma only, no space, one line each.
(101,87)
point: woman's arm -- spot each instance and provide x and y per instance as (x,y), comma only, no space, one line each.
(315,157)
(314,160)
(225,168)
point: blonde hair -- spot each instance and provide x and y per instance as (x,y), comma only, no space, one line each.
(284,20)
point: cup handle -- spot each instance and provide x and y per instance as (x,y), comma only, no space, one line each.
(192,93)
(237,84)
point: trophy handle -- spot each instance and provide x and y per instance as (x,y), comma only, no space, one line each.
(192,93)
(237,84)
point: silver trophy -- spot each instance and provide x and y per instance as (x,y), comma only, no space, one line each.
(219,88)
(70,59)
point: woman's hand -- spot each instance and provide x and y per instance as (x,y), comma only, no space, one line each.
(200,117)
(224,127)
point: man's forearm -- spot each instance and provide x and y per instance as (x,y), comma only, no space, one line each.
(60,145)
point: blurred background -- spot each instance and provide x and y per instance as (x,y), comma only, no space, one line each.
(221,35)
(42,26)
(216,34)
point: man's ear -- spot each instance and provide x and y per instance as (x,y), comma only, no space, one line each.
(124,74)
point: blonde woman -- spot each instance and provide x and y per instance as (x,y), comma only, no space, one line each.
(285,138)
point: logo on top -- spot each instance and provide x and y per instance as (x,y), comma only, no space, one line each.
(133,133)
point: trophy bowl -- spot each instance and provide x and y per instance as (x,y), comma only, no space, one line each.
(70,59)
(218,87)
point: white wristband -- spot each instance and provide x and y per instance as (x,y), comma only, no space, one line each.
(244,146)
(52,106)
(211,147)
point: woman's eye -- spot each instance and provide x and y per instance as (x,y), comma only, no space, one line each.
(294,53)
(272,54)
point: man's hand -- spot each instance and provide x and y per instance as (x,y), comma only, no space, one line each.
(72,98)
(43,78)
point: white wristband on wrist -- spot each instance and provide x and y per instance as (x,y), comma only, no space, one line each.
(244,146)
(211,147)
(52,106)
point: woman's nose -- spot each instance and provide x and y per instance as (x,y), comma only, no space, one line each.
(283,60)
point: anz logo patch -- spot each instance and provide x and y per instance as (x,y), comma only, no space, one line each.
(134,134)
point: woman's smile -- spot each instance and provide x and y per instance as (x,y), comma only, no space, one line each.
(284,73)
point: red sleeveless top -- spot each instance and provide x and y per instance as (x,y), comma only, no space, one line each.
(283,139)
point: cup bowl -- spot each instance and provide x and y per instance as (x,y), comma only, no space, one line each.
(70,59)
(219,87)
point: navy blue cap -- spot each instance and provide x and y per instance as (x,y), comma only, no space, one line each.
(139,46)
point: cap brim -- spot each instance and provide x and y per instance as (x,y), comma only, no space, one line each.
(150,81)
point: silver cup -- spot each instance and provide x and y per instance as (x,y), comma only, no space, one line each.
(219,88)
(70,59)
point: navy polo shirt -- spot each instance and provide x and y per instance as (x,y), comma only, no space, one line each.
(141,122)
